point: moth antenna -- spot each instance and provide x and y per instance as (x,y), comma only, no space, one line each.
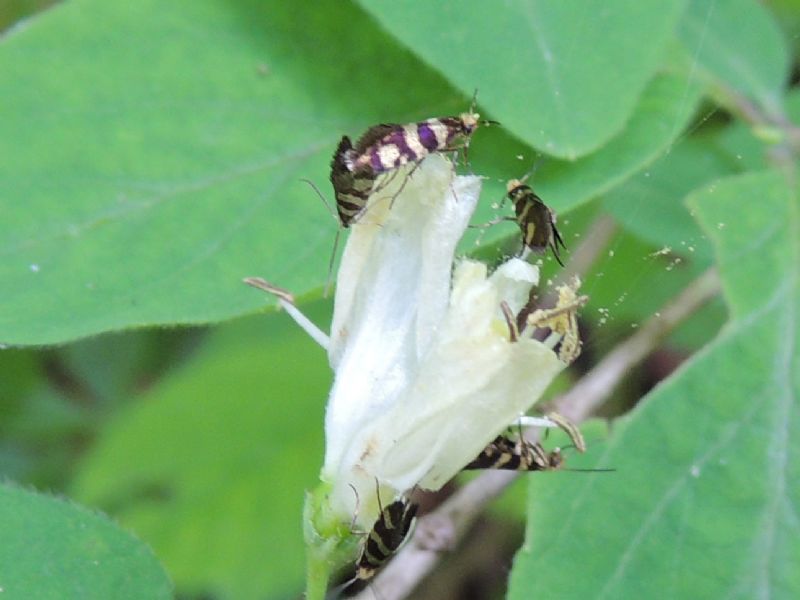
(537,163)
(591,470)
(465,148)
(590,443)
(355,512)
(321,197)
(329,279)
(378,493)
(474,103)
(337,592)
(602,470)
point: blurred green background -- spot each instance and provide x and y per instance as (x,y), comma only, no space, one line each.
(151,159)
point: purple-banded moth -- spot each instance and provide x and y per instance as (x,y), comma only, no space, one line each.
(386,147)
(351,187)
(351,191)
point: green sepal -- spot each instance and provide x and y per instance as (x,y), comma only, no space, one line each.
(330,543)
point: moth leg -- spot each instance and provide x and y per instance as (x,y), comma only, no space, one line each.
(570,429)
(562,321)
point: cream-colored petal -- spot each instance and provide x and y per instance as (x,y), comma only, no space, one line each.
(513,281)
(472,384)
(393,290)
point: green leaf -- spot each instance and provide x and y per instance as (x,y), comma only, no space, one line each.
(630,282)
(40,419)
(702,502)
(138,357)
(664,110)
(787,18)
(106,381)
(742,144)
(53,550)
(651,203)
(140,183)
(19,376)
(563,76)
(210,466)
(742,147)
(757,248)
(13,11)
(737,44)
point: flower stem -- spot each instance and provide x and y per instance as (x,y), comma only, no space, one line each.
(317,576)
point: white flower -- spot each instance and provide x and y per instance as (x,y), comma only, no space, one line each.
(426,370)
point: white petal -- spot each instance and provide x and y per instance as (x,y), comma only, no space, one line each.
(513,281)
(472,384)
(392,293)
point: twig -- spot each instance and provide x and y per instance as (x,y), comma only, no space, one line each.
(595,240)
(598,384)
(450,522)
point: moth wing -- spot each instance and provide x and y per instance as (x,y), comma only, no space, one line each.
(341,176)
(374,135)
(542,222)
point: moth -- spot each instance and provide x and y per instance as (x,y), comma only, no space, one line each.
(385,148)
(387,535)
(536,220)
(351,188)
(516,455)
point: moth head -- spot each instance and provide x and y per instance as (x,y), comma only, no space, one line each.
(555,458)
(469,122)
(516,188)
(513,185)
